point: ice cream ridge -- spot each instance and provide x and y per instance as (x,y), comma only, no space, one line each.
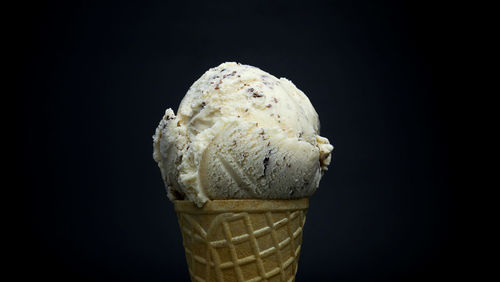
(241,133)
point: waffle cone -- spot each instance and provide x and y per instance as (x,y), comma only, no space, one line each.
(242,240)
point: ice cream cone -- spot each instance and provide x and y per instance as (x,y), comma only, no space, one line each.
(242,240)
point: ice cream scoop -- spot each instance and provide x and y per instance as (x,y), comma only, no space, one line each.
(241,133)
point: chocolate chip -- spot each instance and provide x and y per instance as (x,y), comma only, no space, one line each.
(268,106)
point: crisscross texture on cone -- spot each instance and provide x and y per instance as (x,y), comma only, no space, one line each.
(242,240)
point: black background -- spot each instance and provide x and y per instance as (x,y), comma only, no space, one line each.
(94,79)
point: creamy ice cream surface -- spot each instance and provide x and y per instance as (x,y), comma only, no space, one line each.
(241,133)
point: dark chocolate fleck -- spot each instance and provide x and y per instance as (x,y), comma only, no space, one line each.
(230,74)
(269,105)
(275,100)
(255,94)
(203,104)
(218,83)
(265,163)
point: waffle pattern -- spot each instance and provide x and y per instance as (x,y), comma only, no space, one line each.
(242,246)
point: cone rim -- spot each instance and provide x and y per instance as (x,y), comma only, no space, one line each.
(240,205)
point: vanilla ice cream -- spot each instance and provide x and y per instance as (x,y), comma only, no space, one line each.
(241,133)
